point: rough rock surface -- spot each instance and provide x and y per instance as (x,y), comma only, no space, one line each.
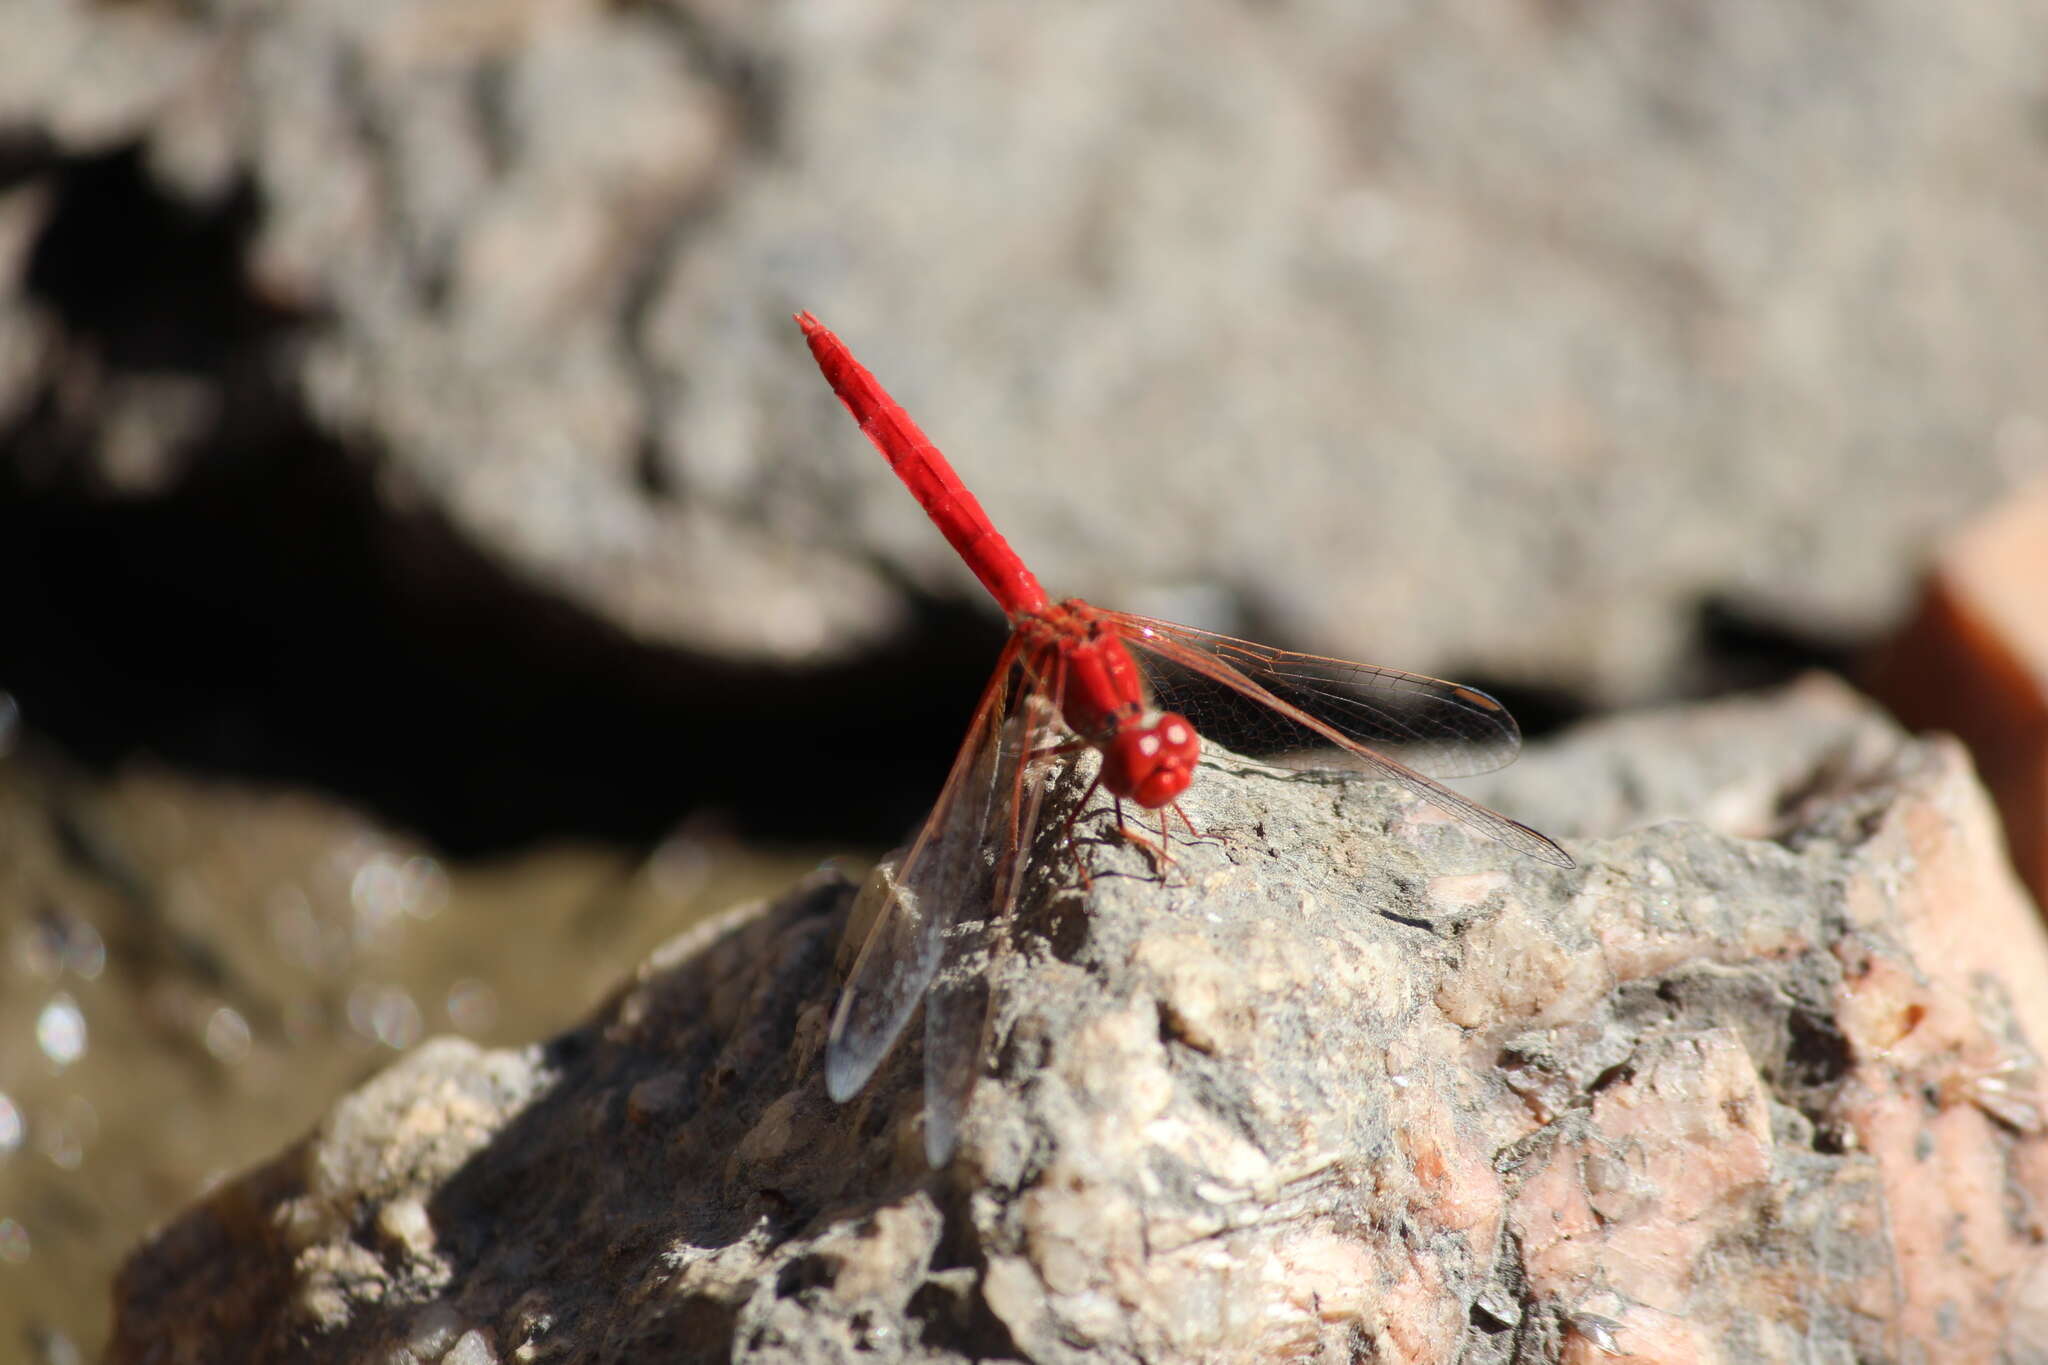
(1537,328)
(1346,1084)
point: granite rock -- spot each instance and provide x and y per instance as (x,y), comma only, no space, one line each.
(1345,1082)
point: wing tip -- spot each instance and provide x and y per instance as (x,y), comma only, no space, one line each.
(845,1075)
(939,1141)
(1541,847)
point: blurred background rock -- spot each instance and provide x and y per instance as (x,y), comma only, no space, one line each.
(422,532)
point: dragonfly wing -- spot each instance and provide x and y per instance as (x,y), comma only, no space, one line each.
(956,1017)
(1438,728)
(943,877)
(957,1011)
(1168,643)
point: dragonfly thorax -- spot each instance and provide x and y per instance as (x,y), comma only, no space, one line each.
(1152,761)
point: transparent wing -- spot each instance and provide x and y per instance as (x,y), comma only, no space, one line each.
(945,916)
(1433,727)
(947,870)
(1171,653)
(957,1014)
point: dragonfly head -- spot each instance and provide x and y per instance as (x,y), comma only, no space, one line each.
(1152,762)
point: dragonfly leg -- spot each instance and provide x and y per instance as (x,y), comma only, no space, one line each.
(1166,825)
(1156,851)
(1161,860)
(1073,814)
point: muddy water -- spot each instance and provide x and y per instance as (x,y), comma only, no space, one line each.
(190,972)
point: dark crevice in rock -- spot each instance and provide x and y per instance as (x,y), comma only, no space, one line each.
(1817,1060)
(1817,1054)
(1503,1314)
(651,472)
(1619,1074)
(802,1274)
(26,154)
(948,1310)
(150,281)
(1408,921)
(1738,647)
(959,1246)
(951,1315)
(698,1330)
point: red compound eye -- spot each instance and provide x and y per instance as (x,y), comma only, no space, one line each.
(1152,764)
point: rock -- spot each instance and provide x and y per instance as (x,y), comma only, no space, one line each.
(1508,319)
(1974,661)
(1345,1082)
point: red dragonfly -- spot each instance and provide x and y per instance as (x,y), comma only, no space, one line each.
(1071,676)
